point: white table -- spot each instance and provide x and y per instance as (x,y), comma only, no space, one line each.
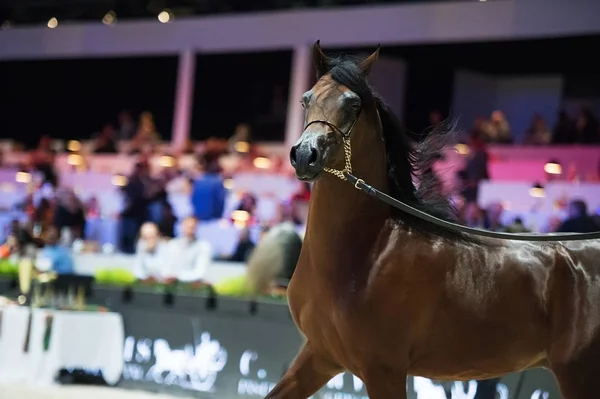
(78,340)
(15,365)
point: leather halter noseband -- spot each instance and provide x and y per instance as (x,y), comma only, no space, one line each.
(346,175)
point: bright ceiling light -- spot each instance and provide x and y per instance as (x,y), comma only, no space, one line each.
(262,163)
(553,167)
(52,23)
(537,191)
(110,18)
(165,16)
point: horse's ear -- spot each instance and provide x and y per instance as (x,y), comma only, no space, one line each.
(368,62)
(320,60)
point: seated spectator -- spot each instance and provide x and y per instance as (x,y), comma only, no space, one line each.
(146,137)
(20,238)
(156,194)
(497,130)
(93,220)
(27,206)
(69,214)
(92,208)
(288,212)
(105,142)
(578,220)
(588,128)
(517,226)
(494,217)
(134,211)
(17,238)
(189,256)
(42,160)
(43,217)
(242,134)
(208,193)
(248,204)
(166,226)
(55,256)
(564,130)
(478,129)
(126,128)
(151,257)
(537,133)
(243,249)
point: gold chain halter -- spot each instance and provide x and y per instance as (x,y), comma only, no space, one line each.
(347,161)
(347,150)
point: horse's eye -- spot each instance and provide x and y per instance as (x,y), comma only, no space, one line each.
(305,99)
(352,101)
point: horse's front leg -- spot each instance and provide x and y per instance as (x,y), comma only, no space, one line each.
(385,384)
(309,372)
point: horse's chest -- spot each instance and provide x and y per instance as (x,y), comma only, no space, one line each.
(329,329)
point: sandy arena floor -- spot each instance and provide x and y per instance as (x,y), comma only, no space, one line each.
(75,392)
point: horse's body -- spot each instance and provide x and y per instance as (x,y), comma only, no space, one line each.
(384,298)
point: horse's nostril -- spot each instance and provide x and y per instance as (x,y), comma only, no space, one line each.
(293,155)
(313,156)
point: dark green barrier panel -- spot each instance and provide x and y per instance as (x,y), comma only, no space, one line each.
(239,350)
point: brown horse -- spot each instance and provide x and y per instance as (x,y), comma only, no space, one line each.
(384,295)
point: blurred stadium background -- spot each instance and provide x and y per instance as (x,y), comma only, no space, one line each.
(143,164)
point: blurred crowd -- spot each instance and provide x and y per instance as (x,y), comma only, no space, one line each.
(582,128)
(57,217)
(58,220)
(579,218)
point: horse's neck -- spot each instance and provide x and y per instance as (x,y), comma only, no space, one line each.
(345,223)
(343,227)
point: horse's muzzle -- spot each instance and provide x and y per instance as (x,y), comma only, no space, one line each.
(307,160)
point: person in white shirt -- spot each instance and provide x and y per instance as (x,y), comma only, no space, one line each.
(189,257)
(151,262)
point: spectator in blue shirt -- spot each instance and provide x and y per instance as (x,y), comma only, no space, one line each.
(208,193)
(57,256)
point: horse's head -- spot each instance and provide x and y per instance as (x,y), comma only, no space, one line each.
(332,111)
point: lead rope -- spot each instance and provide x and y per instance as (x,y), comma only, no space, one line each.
(346,175)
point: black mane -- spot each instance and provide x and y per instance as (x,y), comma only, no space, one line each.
(407,159)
